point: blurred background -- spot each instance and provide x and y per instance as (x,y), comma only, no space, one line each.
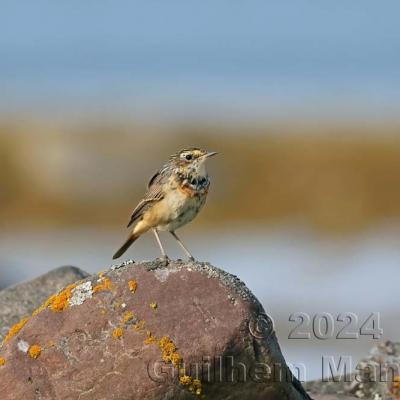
(301,99)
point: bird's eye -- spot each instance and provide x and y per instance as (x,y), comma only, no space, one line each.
(189,157)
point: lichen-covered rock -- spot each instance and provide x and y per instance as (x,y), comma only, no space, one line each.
(22,299)
(146,331)
(327,388)
(376,377)
(333,397)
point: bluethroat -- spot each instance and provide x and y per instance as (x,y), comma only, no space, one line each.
(175,194)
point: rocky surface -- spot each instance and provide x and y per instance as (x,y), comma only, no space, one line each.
(327,390)
(376,377)
(332,397)
(146,331)
(22,299)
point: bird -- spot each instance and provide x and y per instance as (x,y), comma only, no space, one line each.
(175,195)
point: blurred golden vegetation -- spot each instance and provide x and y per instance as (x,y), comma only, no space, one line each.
(335,177)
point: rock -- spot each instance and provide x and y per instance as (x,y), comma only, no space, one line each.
(333,397)
(376,377)
(326,388)
(146,331)
(375,374)
(21,300)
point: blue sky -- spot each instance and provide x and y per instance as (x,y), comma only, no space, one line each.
(261,57)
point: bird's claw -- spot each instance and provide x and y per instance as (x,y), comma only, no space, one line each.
(164,261)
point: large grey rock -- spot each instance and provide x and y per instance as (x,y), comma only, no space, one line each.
(147,332)
(22,299)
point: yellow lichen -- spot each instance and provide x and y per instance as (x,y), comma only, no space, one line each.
(150,338)
(169,353)
(15,329)
(193,385)
(176,359)
(132,285)
(128,316)
(395,390)
(197,388)
(105,284)
(139,325)
(185,380)
(60,301)
(34,351)
(153,305)
(39,310)
(2,361)
(117,333)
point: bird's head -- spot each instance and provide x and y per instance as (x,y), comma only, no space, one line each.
(192,159)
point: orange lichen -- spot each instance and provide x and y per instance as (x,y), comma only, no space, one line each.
(193,385)
(132,285)
(185,380)
(34,351)
(15,329)
(150,338)
(117,333)
(2,361)
(197,388)
(105,284)
(176,359)
(60,301)
(128,316)
(139,325)
(153,305)
(169,353)
(395,390)
(39,310)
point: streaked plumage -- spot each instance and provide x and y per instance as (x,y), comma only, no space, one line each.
(175,194)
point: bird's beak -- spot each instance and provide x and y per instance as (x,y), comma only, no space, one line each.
(210,154)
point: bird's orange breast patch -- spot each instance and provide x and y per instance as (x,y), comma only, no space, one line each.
(187,191)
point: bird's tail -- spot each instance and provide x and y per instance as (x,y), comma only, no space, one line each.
(125,246)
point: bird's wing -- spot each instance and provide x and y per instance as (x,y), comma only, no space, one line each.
(153,179)
(154,194)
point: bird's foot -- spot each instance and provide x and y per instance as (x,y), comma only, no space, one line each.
(164,261)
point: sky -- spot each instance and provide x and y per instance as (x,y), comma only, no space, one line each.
(187,57)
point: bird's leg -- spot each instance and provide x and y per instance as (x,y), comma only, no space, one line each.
(187,252)
(164,257)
